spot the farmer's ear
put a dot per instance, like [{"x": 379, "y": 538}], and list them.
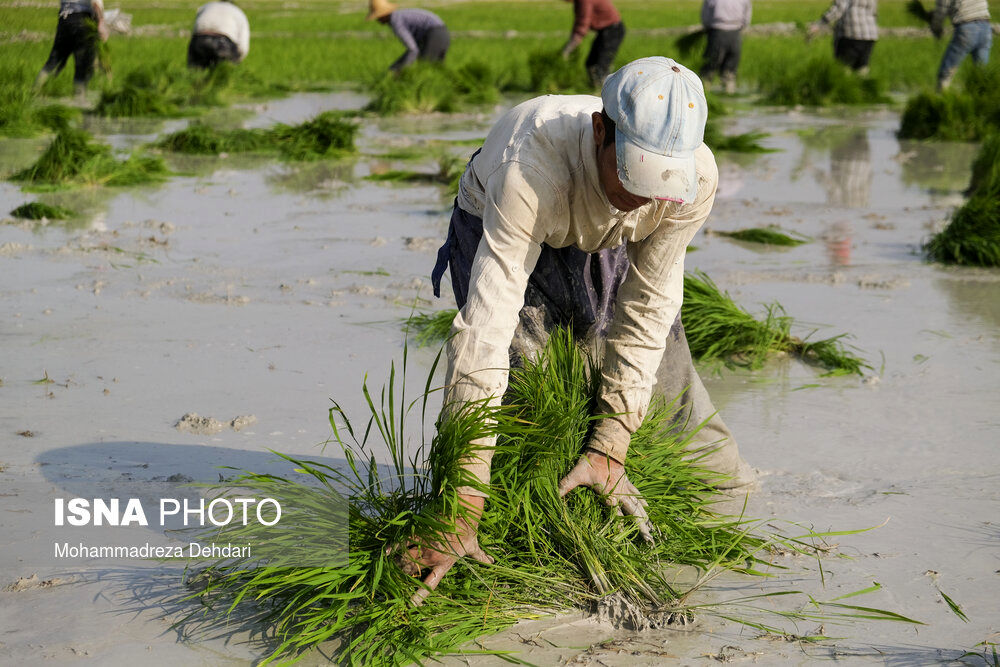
[{"x": 598, "y": 122}]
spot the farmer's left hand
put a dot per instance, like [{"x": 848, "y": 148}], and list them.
[{"x": 607, "y": 477}]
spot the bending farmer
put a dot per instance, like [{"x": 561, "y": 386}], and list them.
[
  {"x": 724, "y": 22},
  {"x": 578, "y": 211},
  {"x": 855, "y": 31},
  {"x": 601, "y": 17},
  {"x": 423, "y": 33},
  {"x": 973, "y": 34},
  {"x": 81, "y": 24},
  {"x": 221, "y": 32}
]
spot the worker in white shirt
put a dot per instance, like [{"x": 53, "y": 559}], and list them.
[
  {"x": 221, "y": 32},
  {"x": 577, "y": 211}
]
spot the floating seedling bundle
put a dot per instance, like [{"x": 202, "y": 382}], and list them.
[
  {"x": 764, "y": 236},
  {"x": 74, "y": 159},
  {"x": 973, "y": 236},
  {"x": 551, "y": 554},
  {"x": 39, "y": 211},
  {"x": 327, "y": 135},
  {"x": 449, "y": 173}
]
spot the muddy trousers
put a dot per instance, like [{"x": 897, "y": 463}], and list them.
[{"x": 575, "y": 289}]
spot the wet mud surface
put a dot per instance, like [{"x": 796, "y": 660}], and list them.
[{"x": 258, "y": 287}]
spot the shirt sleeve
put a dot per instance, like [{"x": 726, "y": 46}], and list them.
[
  {"x": 517, "y": 203},
  {"x": 836, "y": 10},
  {"x": 647, "y": 304},
  {"x": 583, "y": 13},
  {"x": 402, "y": 31}
]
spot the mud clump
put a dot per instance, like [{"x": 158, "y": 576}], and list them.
[
  {"x": 32, "y": 582},
  {"x": 621, "y": 612},
  {"x": 192, "y": 422}
]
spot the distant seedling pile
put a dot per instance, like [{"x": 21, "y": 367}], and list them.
[
  {"x": 551, "y": 554},
  {"x": 966, "y": 112},
  {"x": 74, "y": 159},
  {"x": 821, "y": 81},
  {"x": 327, "y": 135}
]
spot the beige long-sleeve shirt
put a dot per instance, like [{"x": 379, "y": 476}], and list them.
[{"x": 536, "y": 181}]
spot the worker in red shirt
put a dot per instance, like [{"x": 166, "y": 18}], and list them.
[{"x": 601, "y": 17}]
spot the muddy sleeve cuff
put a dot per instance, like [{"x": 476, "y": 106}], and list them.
[{"x": 611, "y": 438}]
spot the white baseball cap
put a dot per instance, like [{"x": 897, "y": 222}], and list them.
[{"x": 659, "y": 110}]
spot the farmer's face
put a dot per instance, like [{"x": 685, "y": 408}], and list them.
[{"x": 607, "y": 171}]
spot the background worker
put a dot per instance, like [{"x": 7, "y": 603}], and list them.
[
  {"x": 724, "y": 22},
  {"x": 423, "y": 33},
  {"x": 577, "y": 211},
  {"x": 601, "y": 17},
  {"x": 81, "y": 24},
  {"x": 972, "y": 35},
  {"x": 855, "y": 30},
  {"x": 221, "y": 32}
]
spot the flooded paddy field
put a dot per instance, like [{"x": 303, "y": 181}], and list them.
[{"x": 252, "y": 291}]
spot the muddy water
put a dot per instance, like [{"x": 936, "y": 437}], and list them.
[{"x": 255, "y": 287}]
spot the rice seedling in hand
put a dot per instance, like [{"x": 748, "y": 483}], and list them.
[
  {"x": 916, "y": 9},
  {"x": 73, "y": 159},
  {"x": 718, "y": 329},
  {"x": 765, "y": 236},
  {"x": 691, "y": 44},
  {"x": 549, "y": 554},
  {"x": 972, "y": 237},
  {"x": 37, "y": 211},
  {"x": 821, "y": 81}
]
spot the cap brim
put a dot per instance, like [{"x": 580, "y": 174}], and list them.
[{"x": 648, "y": 174}]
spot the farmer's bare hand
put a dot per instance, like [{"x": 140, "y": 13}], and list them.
[
  {"x": 440, "y": 555},
  {"x": 607, "y": 477}
]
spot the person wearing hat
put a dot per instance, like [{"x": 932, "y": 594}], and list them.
[
  {"x": 221, "y": 32},
  {"x": 81, "y": 24},
  {"x": 577, "y": 211},
  {"x": 601, "y": 17},
  {"x": 423, "y": 33}
]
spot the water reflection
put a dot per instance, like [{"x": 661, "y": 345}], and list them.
[
  {"x": 937, "y": 167},
  {"x": 327, "y": 178}
]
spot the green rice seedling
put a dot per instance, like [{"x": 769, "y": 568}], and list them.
[
  {"x": 429, "y": 328},
  {"x": 691, "y": 44},
  {"x": 37, "y": 211},
  {"x": 972, "y": 238},
  {"x": 549, "y": 72},
  {"x": 717, "y": 329},
  {"x": 326, "y": 135},
  {"x": 916, "y": 9},
  {"x": 449, "y": 173},
  {"x": 748, "y": 142},
  {"x": 424, "y": 88},
  {"x": 968, "y": 111},
  {"x": 165, "y": 90},
  {"x": 551, "y": 554},
  {"x": 766, "y": 236},
  {"x": 73, "y": 159},
  {"x": 821, "y": 81}
]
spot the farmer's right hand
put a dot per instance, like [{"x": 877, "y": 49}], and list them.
[
  {"x": 607, "y": 477},
  {"x": 440, "y": 555}
]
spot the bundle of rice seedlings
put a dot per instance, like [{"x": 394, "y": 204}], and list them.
[
  {"x": 429, "y": 328},
  {"x": 551, "y": 554},
  {"x": 748, "y": 142},
  {"x": 423, "y": 88},
  {"x": 972, "y": 238},
  {"x": 968, "y": 111},
  {"x": 326, "y": 135},
  {"x": 19, "y": 114},
  {"x": 72, "y": 158},
  {"x": 916, "y": 9},
  {"x": 36, "y": 210},
  {"x": 765, "y": 235},
  {"x": 691, "y": 44},
  {"x": 821, "y": 81},
  {"x": 718, "y": 329},
  {"x": 549, "y": 72},
  {"x": 164, "y": 90}
]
